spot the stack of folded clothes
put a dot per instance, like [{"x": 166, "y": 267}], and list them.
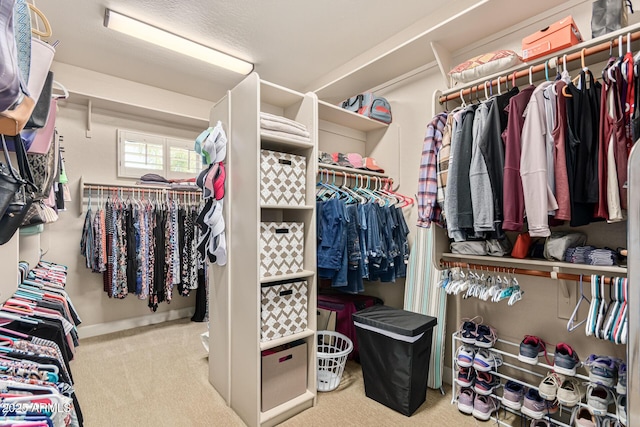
[
  {"x": 282, "y": 127},
  {"x": 590, "y": 255}
]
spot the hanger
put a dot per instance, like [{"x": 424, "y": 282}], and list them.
[
  {"x": 486, "y": 93},
  {"x": 65, "y": 92},
  {"x": 531, "y": 75},
  {"x": 513, "y": 79},
  {"x": 546, "y": 70},
  {"x": 572, "y": 325},
  {"x": 464, "y": 104},
  {"x": 498, "y": 86}
]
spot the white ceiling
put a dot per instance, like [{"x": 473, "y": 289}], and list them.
[{"x": 294, "y": 43}]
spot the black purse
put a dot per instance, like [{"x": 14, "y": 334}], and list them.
[
  {"x": 41, "y": 111},
  {"x": 19, "y": 206},
  {"x": 10, "y": 181}
]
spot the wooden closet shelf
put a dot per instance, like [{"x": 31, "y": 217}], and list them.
[
  {"x": 286, "y": 340},
  {"x": 284, "y": 277},
  {"x": 350, "y": 171},
  {"x": 533, "y": 267},
  {"x": 271, "y": 142}
]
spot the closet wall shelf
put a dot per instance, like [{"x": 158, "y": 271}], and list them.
[
  {"x": 286, "y": 340},
  {"x": 349, "y": 170},
  {"x": 286, "y": 277},
  {"x": 596, "y": 46},
  {"x": 275, "y": 143},
  {"x": 338, "y": 115},
  {"x": 538, "y": 264},
  {"x": 271, "y": 417},
  {"x": 92, "y": 101}
]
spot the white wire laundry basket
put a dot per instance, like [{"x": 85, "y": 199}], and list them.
[{"x": 333, "y": 349}]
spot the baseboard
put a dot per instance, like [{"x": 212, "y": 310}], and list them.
[{"x": 122, "y": 325}]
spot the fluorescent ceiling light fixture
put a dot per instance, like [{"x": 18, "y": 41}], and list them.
[{"x": 151, "y": 34}]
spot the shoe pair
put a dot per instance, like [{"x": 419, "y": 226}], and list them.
[
  {"x": 483, "y": 360},
  {"x": 483, "y": 383},
  {"x": 477, "y": 334},
  {"x": 480, "y": 406},
  {"x": 535, "y": 407},
  {"x": 604, "y": 369},
  {"x": 565, "y": 360}
]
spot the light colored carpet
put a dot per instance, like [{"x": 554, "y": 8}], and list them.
[{"x": 158, "y": 376}]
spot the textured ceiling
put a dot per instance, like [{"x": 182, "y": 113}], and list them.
[
  {"x": 291, "y": 42},
  {"x": 300, "y": 44}
]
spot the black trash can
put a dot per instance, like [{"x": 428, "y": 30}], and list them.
[{"x": 395, "y": 347}]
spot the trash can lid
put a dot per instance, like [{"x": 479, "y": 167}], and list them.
[{"x": 401, "y": 322}]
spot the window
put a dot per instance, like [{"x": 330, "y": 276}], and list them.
[{"x": 140, "y": 153}]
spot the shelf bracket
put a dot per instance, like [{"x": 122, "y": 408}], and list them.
[{"x": 89, "y": 111}]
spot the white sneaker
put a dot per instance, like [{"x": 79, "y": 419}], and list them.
[
  {"x": 570, "y": 392},
  {"x": 598, "y": 399},
  {"x": 486, "y": 360},
  {"x": 550, "y": 385},
  {"x": 465, "y": 356}
]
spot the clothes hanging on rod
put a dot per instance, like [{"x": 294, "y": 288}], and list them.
[
  {"x": 144, "y": 247},
  {"x": 362, "y": 235},
  {"x": 38, "y": 331},
  {"x": 564, "y": 159}
]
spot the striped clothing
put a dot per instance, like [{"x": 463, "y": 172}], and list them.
[
  {"x": 428, "y": 209},
  {"x": 443, "y": 162}
]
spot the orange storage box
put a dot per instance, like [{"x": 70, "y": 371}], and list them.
[{"x": 556, "y": 36}]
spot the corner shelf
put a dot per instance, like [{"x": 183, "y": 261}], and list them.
[{"x": 340, "y": 116}]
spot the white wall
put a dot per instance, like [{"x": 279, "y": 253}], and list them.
[{"x": 95, "y": 160}]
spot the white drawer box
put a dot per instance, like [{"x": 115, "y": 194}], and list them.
[
  {"x": 282, "y": 178},
  {"x": 283, "y": 309},
  {"x": 281, "y": 248}
]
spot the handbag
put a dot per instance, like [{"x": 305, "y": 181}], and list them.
[
  {"x": 40, "y": 112},
  {"x": 43, "y": 169},
  {"x": 10, "y": 181},
  {"x": 558, "y": 243},
  {"x": 10, "y": 90},
  {"x": 43, "y": 137},
  {"x": 369, "y": 105},
  {"x": 18, "y": 207},
  {"x": 41, "y": 56}
]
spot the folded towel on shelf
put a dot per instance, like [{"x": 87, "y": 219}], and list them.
[
  {"x": 284, "y": 120},
  {"x": 277, "y": 134},
  {"x": 283, "y": 127}
]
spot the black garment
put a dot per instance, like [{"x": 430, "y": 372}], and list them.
[
  {"x": 581, "y": 143},
  {"x": 200, "y": 314},
  {"x": 635, "y": 118},
  {"x": 132, "y": 253},
  {"x": 157, "y": 293},
  {"x": 492, "y": 147},
  {"x": 47, "y": 330},
  {"x": 463, "y": 157}
]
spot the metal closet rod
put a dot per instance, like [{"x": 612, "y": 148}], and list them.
[
  {"x": 583, "y": 53},
  {"x": 537, "y": 273},
  {"x": 133, "y": 189},
  {"x": 354, "y": 175}
]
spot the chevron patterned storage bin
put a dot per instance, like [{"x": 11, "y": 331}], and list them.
[
  {"x": 283, "y": 178},
  {"x": 281, "y": 248},
  {"x": 284, "y": 309}
]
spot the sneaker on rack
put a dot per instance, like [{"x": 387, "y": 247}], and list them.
[
  {"x": 621, "y": 386},
  {"x": 531, "y": 348},
  {"x": 466, "y": 377},
  {"x": 570, "y": 392},
  {"x": 485, "y": 383},
  {"x": 465, "y": 401},
  {"x": 484, "y": 406},
  {"x": 565, "y": 360},
  {"x": 468, "y": 330},
  {"x": 486, "y": 336},
  {"x": 549, "y": 386},
  {"x": 621, "y": 408},
  {"x": 486, "y": 360},
  {"x": 534, "y": 406},
  {"x": 465, "y": 356},
  {"x": 540, "y": 423},
  {"x": 598, "y": 399},
  {"x": 512, "y": 395},
  {"x": 585, "y": 418},
  {"x": 602, "y": 370}
]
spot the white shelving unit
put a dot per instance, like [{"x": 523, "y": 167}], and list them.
[{"x": 235, "y": 297}]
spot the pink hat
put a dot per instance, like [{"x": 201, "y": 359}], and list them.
[{"x": 356, "y": 160}]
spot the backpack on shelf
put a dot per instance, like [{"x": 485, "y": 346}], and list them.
[{"x": 369, "y": 105}]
